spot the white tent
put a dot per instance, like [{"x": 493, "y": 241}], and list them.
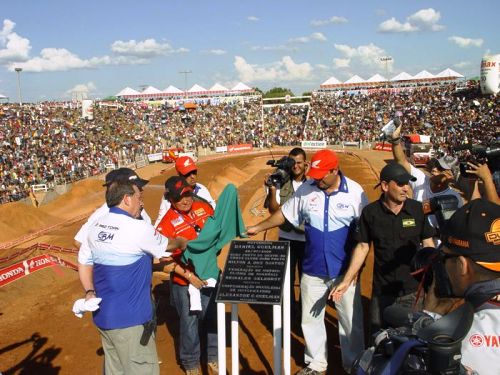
[
  {"x": 376, "y": 78},
  {"x": 424, "y": 74},
  {"x": 354, "y": 80},
  {"x": 127, "y": 91},
  {"x": 449, "y": 73},
  {"x": 403, "y": 76},
  {"x": 150, "y": 90},
  {"x": 197, "y": 90},
  {"x": 331, "y": 82},
  {"x": 241, "y": 87},
  {"x": 172, "y": 90},
  {"x": 218, "y": 88}
]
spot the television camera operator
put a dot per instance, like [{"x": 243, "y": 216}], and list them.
[{"x": 280, "y": 188}]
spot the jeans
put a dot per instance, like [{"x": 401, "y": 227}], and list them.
[
  {"x": 314, "y": 294},
  {"x": 380, "y": 302},
  {"x": 193, "y": 324}
]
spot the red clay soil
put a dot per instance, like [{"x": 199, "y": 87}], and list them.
[{"x": 40, "y": 335}]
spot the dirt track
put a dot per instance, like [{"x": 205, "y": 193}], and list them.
[{"x": 40, "y": 335}]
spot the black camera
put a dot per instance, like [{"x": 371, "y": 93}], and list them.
[
  {"x": 442, "y": 206},
  {"x": 476, "y": 153},
  {"x": 419, "y": 345},
  {"x": 282, "y": 173}
]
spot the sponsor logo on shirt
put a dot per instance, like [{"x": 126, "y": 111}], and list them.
[
  {"x": 200, "y": 211},
  {"x": 409, "y": 223},
  {"x": 489, "y": 341},
  {"x": 314, "y": 204},
  {"x": 177, "y": 221},
  {"x": 342, "y": 206},
  {"x": 105, "y": 236}
]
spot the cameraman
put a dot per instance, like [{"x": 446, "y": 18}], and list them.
[
  {"x": 471, "y": 257},
  {"x": 287, "y": 232}
]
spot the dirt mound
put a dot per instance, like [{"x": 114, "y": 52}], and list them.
[
  {"x": 229, "y": 174},
  {"x": 18, "y": 219}
]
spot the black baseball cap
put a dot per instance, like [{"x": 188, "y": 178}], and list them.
[
  {"x": 124, "y": 174},
  {"x": 177, "y": 187},
  {"x": 474, "y": 231},
  {"x": 396, "y": 172}
]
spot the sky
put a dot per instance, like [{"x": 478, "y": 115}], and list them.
[{"x": 95, "y": 48}]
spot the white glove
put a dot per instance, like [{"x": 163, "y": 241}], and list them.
[{"x": 81, "y": 306}]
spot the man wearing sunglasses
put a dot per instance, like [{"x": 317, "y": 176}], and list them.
[
  {"x": 397, "y": 227},
  {"x": 470, "y": 253},
  {"x": 185, "y": 218},
  {"x": 186, "y": 168}
]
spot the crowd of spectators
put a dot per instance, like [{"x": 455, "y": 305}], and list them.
[{"x": 49, "y": 143}]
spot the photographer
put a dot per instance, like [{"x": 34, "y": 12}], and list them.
[
  {"x": 470, "y": 254},
  {"x": 287, "y": 232}
]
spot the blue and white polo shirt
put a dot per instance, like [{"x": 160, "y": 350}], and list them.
[
  {"x": 329, "y": 221},
  {"x": 121, "y": 248}
]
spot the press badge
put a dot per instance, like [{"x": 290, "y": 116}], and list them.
[{"x": 408, "y": 223}]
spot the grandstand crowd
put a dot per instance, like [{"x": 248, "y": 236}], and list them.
[{"x": 49, "y": 143}]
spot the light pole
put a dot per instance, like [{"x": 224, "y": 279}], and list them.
[
  {"x": 18, "y": 71},
  {"x": 386, "y": 60},
  {"x": 185, "y": 72}
]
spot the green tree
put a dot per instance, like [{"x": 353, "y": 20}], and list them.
[{"x": 278, "y": 92}]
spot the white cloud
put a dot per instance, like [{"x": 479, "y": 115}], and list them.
[
  {"x": 60, "y": 59},
  {"x": 367, "y": 55},
  {"x": 13, "y": 48},
  {"x": 394, "y": 26},
  {"x": 466, "y": 42},
  {"x": 217, "y": 52},
  {"x": 253, "y": 18},
  {"x": 82, "y": 90},
  {"x": 147, "y": 48},
  {"x": 274, "y": 48},
  {"x": 423, "y": 20},
  {"x": 306, "y": 39},
  {"x": 462, "y": 64},
  {"x": 332, "y": 20},
  {"x": 318, "y": 36},
  {"x": 285, "y": 70},
  {"x": 426, "y": 19},
  {"x": 341, "y": 63}
]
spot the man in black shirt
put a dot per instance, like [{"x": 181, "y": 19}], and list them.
[{"x": 397, "y": 226}]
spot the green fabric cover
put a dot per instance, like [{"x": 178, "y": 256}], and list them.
[{"x": 224, "y": 226}]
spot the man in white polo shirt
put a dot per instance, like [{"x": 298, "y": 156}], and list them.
[{"x": 329, "y": 206}]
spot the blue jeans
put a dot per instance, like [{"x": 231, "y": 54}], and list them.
[{"x": 193, "y": 324}]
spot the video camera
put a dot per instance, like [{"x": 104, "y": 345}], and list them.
[
  {"x": 442, "y": 206},
  {"x": 389, "y": 128},
  {"x": 419, "y": 345},
  {"x": 479, "y": 154},
  {"x": 282, "y": 173}
]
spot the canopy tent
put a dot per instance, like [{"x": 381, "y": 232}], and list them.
[
  {"x": 150, "y": 90},
  {"x": 376, "y": 78},
  {"x": 127, "y": 91},
  {"x": 197, "y": 90},
  {"x": 354, "y": 80},
  {"x": 218, "y": 88},
  {"x": 241, "y": 87},
  {"x": 330, "y": 82},
  {"x": 403, "y": 76},
  {"x": 424, "y": 75},
  {"x": 449, "y": 73},
  {"x": 172, "y": 90}
]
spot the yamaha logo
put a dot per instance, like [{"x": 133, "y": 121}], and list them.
[{"x": 476, "y": 340}]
